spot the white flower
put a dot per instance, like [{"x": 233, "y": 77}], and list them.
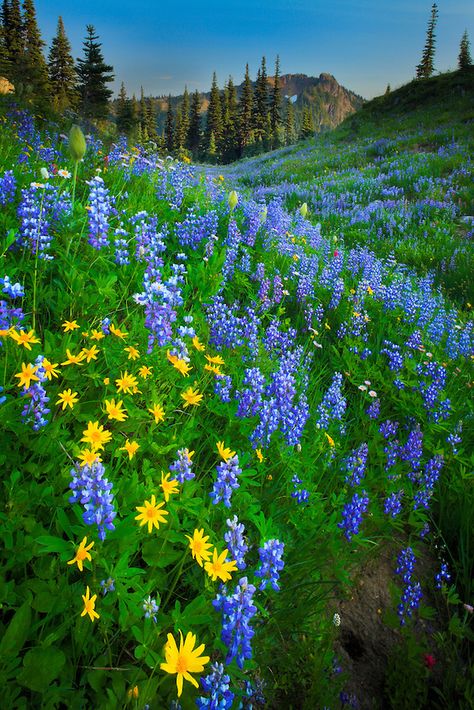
[
  {"x": 44, "y": 173},
  {"x": 362, "y": 388},
  {"x": 64, "y": 173},
  {"x": 336, "y": 619},
  {"x": 367, "y": 382},
  {"x": 372, "y": 393}
]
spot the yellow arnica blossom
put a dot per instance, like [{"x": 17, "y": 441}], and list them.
[
  {"x": 215, "y": 360},
  {"x": 91, "y": 353},
  {"x": 370, "y": 291},
  {"x": 158, "y": 412},
  {"x": 181, "y": 365},
  {"x": 259, "y": 455},
  {"x": 97, "y": 334},
  {"x": 213, "y": 368},
  {"x": 50, "y": 368},
  {"x": 23, "y": 338},
  {"x": 126, "y": 382},
  {"x": 168, "y": 487},
  {"x": 131, "y": 447},
  {"x": 69, "y": 325},
  {"x": 226, "y": 453},
  {"x": 151, "y": 515},
  {"x": 115, "y": 411},
  {"x": 67, "y": 398},
  {"x": 191, "y": 397},
  {"x": 184, "y": 660},
  {"x": 88, "y": 456},
  {"x": 144, "y": 371},
  {"x": 199, "y": 346},
  {"x": 89, "y": 605},
  {"x": 82, "y": 553},
  {"x": 96, "y": 436},
  {"x": 199, "y": 546},
  {"x": 330, "y": 439},
  {"x": 219, "y": 568},
  {"x": 26, "y": 375},
  {"x": 73, "y": 359},
  {"x": 116, "y": 331},
  {"x": 133, "y": 692},
  {"x": 133, "y": 353}
]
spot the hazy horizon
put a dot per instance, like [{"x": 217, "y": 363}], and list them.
[{"x": 365, "y": 45}]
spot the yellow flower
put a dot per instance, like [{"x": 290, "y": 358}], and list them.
[
  {"x": 88, "y": 456},
  {"x": 23, "y": 338},
  {"x": 133, "y": 692},
  {"x": 144, "y": 371},
  {"x": 26, "y": 375},
  {"x": 73, "y": 359},
  {"x": 131, "y": 447},
  {"x": 97, "y": 334},
  {"x": 50, "y": 368},
  {"x": 224, "y": 452},
  {"x": 91, "y": 353},
  {"x": 185, "y": 660},
  {"x": 219, "y": 568},
  {"x": 115, "y": 411},
  {"x": 330, "y": 439},
  {"x": 199, "y": 546},
  {"x": 199, "y": 346},
  {"x": 96, "y": 436},
  {"x": 89, "y": 605},
  {"x": 67, "y": 398},
  {"x": 106, "y": 380},
  {"x": 181, "y": 365},
  {"x": 82, "y": 553},
  {"x": 215, "y": 360},
  {"x": 370, "y": 291},
  {"x": 191, "y": 397},
  {"x": 116, "y": 331},
  {"x": 126, "y": 382},
  {"x": 259, "y": 454},
  {"x": 70, "y": 325},
  {"x": 168, "y": 487},
  {"x": 133, "y": 353},
  {"x": 151, "y": 515},
  {"x": 214, "y": 369}
]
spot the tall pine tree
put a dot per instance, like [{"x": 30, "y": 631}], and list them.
[
  {"x": 14, "y": 40},
  {"x": 307, "y": 123},
  {"x": 290, "y": 130},
  {"x": 426, "y": 67},
  {"x": 246, "y": 113},
  {"x": 194, "y": 134},
  {"x": 94, "y": 75},
  {"x": 260, "y": 104},
  {"x": 150, "y": 121},
  {"x": 33, "y": 62},
  {"x": 464, "y": 59},
  {"x": 169, "y": 127},
  {"x": 230, "y": 123},
  {"x": 214, "y": 119},
  {"x": 275, "y": 106},
  {"x": 126, "y": 112},
  {"x": 62, "y": 73}
]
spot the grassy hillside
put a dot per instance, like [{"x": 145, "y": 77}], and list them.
[{"x": 230, "y": 399}]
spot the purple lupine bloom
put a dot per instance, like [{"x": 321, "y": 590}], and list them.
[
  {"x": 182, "y": 467},
  {"x": 352, "y": 514},
  {"x": 7, "y": 187},
  {"x": 94, "y": 492},
  {"x": 237, "y": 610},
  {"x": 271, "y": 563},
  {"x": 355, "y": 465},
  {"x": 217, "y": 684},
  {"x": 226, "y": 482},
  {"x": 151, "y": 608},
  {"x": 333, "y": 404},
  {"x": 235, "y": 539},
  {"x": 442, "y": 576},
  {"x": 101, "y": 209},
  {"x": 411, "y": 594},
  {"x": 35, "y": 409}
]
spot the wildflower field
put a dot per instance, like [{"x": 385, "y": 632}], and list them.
[{"x": 222, "y": 393}]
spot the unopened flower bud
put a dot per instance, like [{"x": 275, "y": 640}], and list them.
[
  {"x": 77, "y": 143},
  {"x": 233, "y": 200},
  {"x": 304, "y": 210},
  {"x": 44, "y": 173}
]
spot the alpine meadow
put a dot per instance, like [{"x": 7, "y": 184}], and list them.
[{"x": 236, "y": 360}]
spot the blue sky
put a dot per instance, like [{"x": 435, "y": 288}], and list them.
[{"x": 164, "y": 45}]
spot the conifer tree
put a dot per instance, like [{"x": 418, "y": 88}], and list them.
[
  {"x": 182, "y": 123},
  {"x": 62, "y": 73},
  {"x": 14, "y": 41},
  {"x": 230, "y": 133},
  {"x": 126, "y": 116},
  {"x": 214, "y": 117},
  {"x": 142, "y": 116},
  {"x": 178, "y": 134},
  {"x": 464, "y": 59},
  {"x": 426, "y": 67},
  {"x": 194, "y": 134},
  {"x": 388, "y": 89},
  {"x": 307, "y": 123},
  {"x": 94, "y": 75},
  {"x": 33, "y": 63},
  {"x": 5, "y": 64},
  {"x": 150, "y": 121},
  {"x": 275, "y": 106},
  {"x": 290, "y": 130},
  {"x": 246, "y": 113},
  {"x": 169, "y": 127},
  {"x": 261, "y": 104}
]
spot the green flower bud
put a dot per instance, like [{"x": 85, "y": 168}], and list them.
[
  {"x": 77, "y": 143},
  {"x": 233, "y": 200},
  {"x": 263, "y": 214},
  {"x": 304, "y": 210}
]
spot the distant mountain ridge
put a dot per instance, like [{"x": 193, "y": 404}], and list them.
[{"x": 330, "y": 102}]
